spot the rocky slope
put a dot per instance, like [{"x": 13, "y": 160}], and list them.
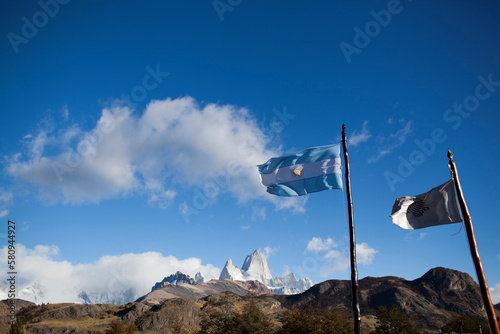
[
  {"x": 432, "y": 298},
  {"x": 190, "y": 291}
]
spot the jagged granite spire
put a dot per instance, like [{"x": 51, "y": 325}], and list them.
[{"x": 255, "y": 268}]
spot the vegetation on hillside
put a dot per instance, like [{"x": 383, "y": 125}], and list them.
[
  {"x": 17, "y": 327},
  {"x": 394, "y": 321},
  {"x": 117, "y": 327},
  {"x": 469, "y": 325}
]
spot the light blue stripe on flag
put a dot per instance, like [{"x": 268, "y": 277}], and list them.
[{"x": 310, "y": 170}]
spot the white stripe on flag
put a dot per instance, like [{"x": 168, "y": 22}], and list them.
[{"x": 309, "y": 170}]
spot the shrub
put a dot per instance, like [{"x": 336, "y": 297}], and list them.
[
  {"x": 394, "y": 321},
  {"x": 314, "y": 321},
  {"x": 470, "y": 325}
]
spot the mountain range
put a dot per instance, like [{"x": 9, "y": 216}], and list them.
[
  {"x": 433, "y": 299},
  {"x": 254, "y": 268}
]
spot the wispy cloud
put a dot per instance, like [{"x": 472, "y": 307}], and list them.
[
  {"x": 62, "y": 281},
  {"x": 495, "y": 294},
  {"x": 336, "y": 257},
  {"x": 173, "y": 143},
  {"x": 386, "y": 144},
  {"x": 65, "y": 112},
  {"x": 6, "y": 201},
  {"x": 358, "y": 137},
  {"x": 267, "y": 251},
  {"x": 258, "y": 213},
  {"x": 246, "y": 227}
]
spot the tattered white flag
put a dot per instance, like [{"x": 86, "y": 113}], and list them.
[{"x": 436, "y": 207}]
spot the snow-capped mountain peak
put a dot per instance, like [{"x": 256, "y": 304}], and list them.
[
  {"x": 255, "y": 268},
  {"x": 231, "y": 272}
]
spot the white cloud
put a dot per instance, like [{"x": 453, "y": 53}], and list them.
[
  {"x": 336, "y": 257},
  {"x": 318, "y": 244},
  {"x": 295, "y": 204},
  {"x": 421, "y": 236},
  {"x": 246, "y": 227},
  {"x": 391, "y": 142},
  {"x": 5, "y": 196},
  {"x": 173, "y": 143},
  {"x": 359, "y": 137},
  {"x": 62, "y": 281},
  {"x": 365, "y": 254},
  {"x": 5, "y": 202},
  {"x": 337, "y": 262},
  {"x": 267, "y": 251},
  {"x": 495, "y": 294}
]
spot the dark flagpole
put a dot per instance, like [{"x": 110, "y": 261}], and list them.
[
  {"x": 490, "y": 311},
  {"x": 354, "y": 270}
]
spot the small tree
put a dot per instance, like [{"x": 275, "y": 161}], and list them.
[
  {"x": 221, "y": 320},
  {"x": 215, "y": 321},
  {"x": 314, "y": 321},
  {"x": 252, "y": 320},
  {"x": 297, "y": 321},
  {"x": 17, "y": 327},
  {"x": 177, "y": 326},
  {"x": 394, "y": 321}
]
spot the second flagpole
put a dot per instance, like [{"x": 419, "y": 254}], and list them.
[
  {"x": 483, "y": 284},
  {"x": 354, "y": 270}
]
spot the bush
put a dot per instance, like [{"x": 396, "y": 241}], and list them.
[
  {"x": 314, "y": 321},
  {"x": 250, "y": 320},
  {"x": 394, "y": 321},
  {"x": 470, "y": 325}
]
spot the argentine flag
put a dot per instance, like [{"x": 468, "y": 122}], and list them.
[{"x": 307, "y": 171}]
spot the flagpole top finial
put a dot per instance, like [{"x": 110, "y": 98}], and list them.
[
  {"x": 343, "y": 127},
  {"x": 450, "y": 155}
]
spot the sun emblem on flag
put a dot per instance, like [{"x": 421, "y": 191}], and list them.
[{"x": 297, "y": 171}]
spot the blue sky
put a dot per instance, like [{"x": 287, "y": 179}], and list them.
[{"x": 131, "y": 131}]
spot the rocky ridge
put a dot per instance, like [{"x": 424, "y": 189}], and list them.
[
  {"x": 179, "y": 278},
  {"x": 197, "y": 291}
]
